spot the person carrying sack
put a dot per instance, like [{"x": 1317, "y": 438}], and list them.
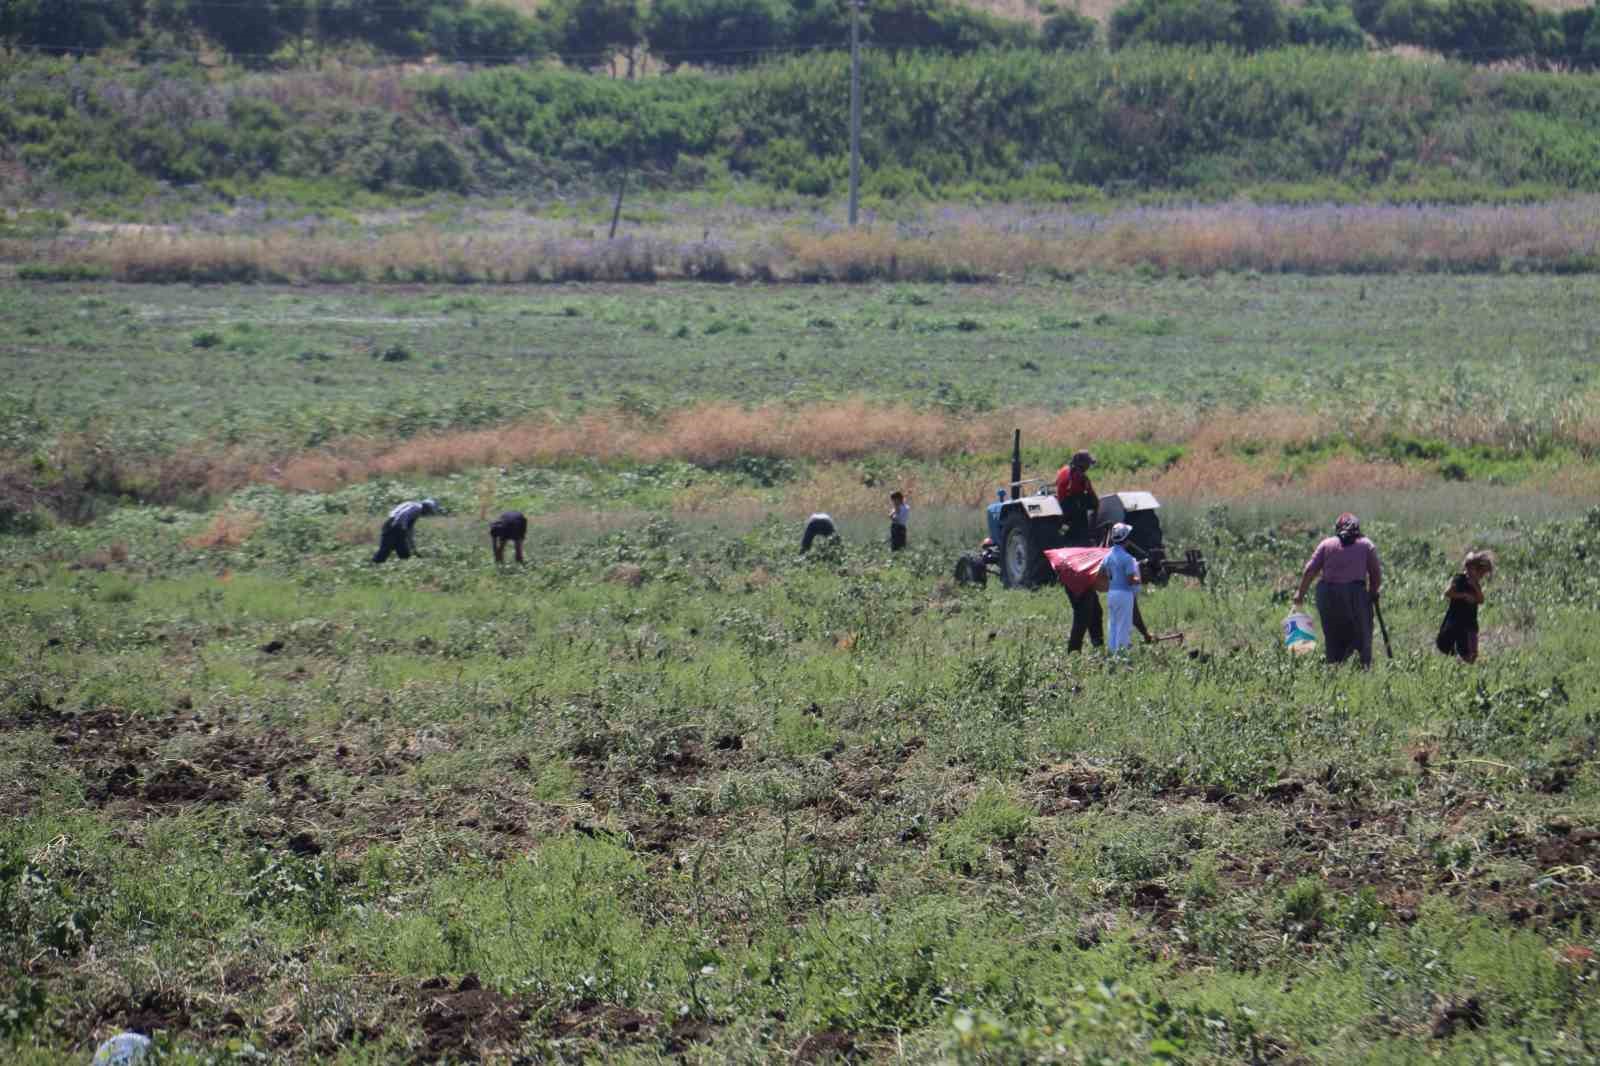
[{"x": 1351, "y": 576}]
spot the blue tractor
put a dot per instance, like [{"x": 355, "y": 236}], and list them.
[{"x": 1023, "y": 526}]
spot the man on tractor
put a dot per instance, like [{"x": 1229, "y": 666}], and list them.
[{"x": 1076, "y": 494}]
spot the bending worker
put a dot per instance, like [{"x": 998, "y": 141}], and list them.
[
  {"x": 818, "y": 525},
  {"x": 396, "y": 534},
  {"x": 1351, "y": 576},
  {"x": 510, "y": 528}
]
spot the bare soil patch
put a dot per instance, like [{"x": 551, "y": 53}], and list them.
[{"x": 468, "y": 1022}]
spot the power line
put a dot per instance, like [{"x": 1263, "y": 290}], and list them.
[{"x": 131, "y": 48}]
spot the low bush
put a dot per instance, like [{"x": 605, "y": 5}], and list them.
[{"x": 62, "y": 272}]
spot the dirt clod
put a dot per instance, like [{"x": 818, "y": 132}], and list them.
[
  {"x": 830, "y": 1045},
  {"x": 468, "y": 1022},
  {"x": 1452, "y": 1015}
]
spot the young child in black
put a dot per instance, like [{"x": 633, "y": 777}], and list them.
[{"x": 1458, "y": 634}]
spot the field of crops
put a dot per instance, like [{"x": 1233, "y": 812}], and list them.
[{"x": 673, "y": 791}]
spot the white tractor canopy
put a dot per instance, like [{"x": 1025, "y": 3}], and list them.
[
  {"x": 1041, "y": 505},
  {"x": 1117, "y": 506}
]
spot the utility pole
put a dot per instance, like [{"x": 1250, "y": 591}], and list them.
[{"x": 855, "y": 107}]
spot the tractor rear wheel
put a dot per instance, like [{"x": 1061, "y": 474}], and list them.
[{"x": 1022, "y": 563}]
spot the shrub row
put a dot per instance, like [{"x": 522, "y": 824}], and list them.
[
  {"x": 1483, "y": 31},
  {"x": 739, "y": 32},
  {"x": 1486, "y": 31},
  {"x": 718, "y": 33},
  {"x": 255, "y": 32}
]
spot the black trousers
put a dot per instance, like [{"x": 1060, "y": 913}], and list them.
[
  {"x": 392, "y": 539},
  {"x": 897, "y": 536},
  {"x": 1346, "y": 610},
  {"x": 1087, "y": 617}
]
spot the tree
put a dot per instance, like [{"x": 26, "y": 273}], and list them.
[
  {"x": 942, "y": 25},
  {"x": 591, "y": 32},
  {"x": 485, "y": 33},
  {"x": 1251, "y": 25},
  {"x": 819, "y": 23},
  {"x": 63, "y": 26},
  {"x": 1068, "y": 31},
  {"x": 400, "y": 27},
  {"x": 251, "y": 31},
  {"x": 1326, "y": 24},
  {"x": 717, "y": 32}
]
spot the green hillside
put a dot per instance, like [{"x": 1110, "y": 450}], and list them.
[{"x": 1013, "y": 125}]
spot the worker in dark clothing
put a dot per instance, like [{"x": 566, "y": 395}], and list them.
[
  {"x": 1088, "y": 617},
  {"x": 1076, "y": 494},
  {"x": 1347, "y": 592},
  {"x": 818, "y": 525},
  {"x": 511, "y": 526},
  {"x": 1142, "y": 557},
  {"x": 396, "y": 534}
]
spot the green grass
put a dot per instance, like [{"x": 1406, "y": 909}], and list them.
[
  {"x": 672, "y": 790},
  {"x": 758, "y": 802},
  {"x": 295, "y": 368}
]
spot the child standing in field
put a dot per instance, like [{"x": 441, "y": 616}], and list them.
[
  {"x": 1122, "y": 586},
  {"x": 1458, "y": 634},
  {"x": 899, "y": 515}
]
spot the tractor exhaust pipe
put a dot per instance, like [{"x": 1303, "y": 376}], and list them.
[{"x": 1016, "y": 465}]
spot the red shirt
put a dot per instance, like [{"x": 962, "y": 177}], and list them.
[{"x": 1070, "y": 481}]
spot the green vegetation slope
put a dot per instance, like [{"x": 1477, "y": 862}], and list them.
[{"x": 1018, "y": 124}]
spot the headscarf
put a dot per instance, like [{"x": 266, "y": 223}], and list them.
[
  {"x": 431, "y": 506},
  {"x": 1120, "y": 532},
  {"x": 1081, "y": 460},
  {"x": 1347, "y": 528}
]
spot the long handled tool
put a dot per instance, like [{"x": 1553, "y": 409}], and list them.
[{"x": 1378, "y": 609}]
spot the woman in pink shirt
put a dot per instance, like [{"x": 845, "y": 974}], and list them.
[{"x": 1351, "y": 575}]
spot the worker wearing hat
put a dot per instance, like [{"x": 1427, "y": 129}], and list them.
[{"x": 1122, "y": 588}]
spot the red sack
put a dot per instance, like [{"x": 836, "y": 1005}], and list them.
[{"x": 1077, "y": 568}]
